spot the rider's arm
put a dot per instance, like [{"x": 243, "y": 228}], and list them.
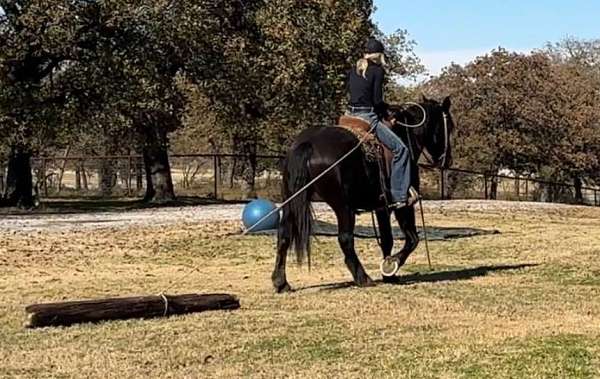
[{"x": 378, "y": 102}]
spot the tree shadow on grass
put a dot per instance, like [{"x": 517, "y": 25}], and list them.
[{"x": 429, "y": 277}]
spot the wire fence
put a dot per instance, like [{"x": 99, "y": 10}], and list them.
[{"x": 229, "y": 177}]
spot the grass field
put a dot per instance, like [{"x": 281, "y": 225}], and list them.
[{"x": 523, "y": 303}]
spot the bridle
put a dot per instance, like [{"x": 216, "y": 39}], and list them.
[
  {"x": 442, "y": 159},
  {"x": 446, "y": 141}
]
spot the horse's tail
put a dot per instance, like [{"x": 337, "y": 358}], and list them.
[{"x": 298, "y": 213}]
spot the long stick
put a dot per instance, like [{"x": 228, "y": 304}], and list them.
[
  {"x": 311, "y": 182},
  {"x": 425, "y": 234}
]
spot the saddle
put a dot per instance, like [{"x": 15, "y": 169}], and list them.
[{"x": 374, "y": 150}]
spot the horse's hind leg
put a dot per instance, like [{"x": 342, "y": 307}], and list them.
[
  {"x": 283, "y": 244},
  {"x": 346, "y": 220}
]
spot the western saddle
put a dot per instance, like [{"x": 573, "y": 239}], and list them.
[{"x": 374, "y": 150}]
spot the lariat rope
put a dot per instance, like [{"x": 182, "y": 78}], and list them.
[
  {"x": 301, "y": 190},
  {"x": 425, "y": 234},
  {"x": 409, "y": 141},
  {"x": 360, "y": 143},
  {"x": 420, "y": 123}
]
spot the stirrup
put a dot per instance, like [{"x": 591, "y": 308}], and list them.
[
  {"x": 398, "y": 205},
  {"x": 413, "y": 197}
]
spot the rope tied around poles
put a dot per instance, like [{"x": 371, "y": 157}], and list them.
[{"x": 166, "y": 302}]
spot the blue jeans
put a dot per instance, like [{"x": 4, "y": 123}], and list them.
[{"x": 400, "y": 176}]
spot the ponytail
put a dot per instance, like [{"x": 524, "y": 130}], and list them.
[
  {"x": 363, "y": 63},
  {"x": 361, "y": 67}
]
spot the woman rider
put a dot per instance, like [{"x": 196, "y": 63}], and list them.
[{"x": 365, "y": 85}]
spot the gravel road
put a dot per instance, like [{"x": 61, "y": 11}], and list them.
[{"x": 210, "y": 213}]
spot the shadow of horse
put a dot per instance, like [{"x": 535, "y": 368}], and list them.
[
  {"x": 431, "y": 277},
  {"x": 434, "y": 233}
]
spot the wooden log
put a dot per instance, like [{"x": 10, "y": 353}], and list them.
[{"x": 74, "y": 312}]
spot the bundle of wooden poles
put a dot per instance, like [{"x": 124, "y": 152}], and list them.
[{"x": 74, "y": 312}]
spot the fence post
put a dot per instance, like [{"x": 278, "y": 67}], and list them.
[
  {"x": 526, "y": 189},
  {"x": 442, "y": 184},
  {"x": 216, "y": 176},
  {"x": 596, "y": 198}
]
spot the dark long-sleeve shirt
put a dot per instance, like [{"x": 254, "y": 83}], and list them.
[{"x": 367, "y": 91}]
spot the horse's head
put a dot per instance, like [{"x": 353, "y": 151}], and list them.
[{"x": 430, "y": 127}]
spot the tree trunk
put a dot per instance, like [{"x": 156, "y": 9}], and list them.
[
  {"x": 578, "y": 192},
  {"x": 494, "y": 188},
  {"x": 547, "y": 193},
  {"x": 159, "y": 183},
  {"x": 1, "y": 180},
  {"x": 232, "y": 175},
  {"x": 61, "y": 173},
  {"x": 19, "y": 180},
  {"x": 84, "y": 178},
  {"x": 250, "y": 172},
  {"x": 106, "y": 176},
  {"x": 78, "y": 176},
  {"x": 139, "y": 175}
]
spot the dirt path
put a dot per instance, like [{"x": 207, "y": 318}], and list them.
[{"x": 209, "y": 213}]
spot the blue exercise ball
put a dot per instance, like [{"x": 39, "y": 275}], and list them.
[{"x": 255, "y": 210}]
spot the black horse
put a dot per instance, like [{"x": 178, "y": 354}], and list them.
[{"x": 354, "y": 185}]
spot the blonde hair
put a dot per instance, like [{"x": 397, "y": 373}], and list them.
[{"x": 363, "y": 63}]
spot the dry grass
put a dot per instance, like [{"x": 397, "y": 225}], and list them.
[{"x": 478, "y": 315}]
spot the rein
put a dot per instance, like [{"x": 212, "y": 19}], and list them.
[{"x": 446, "y": 144}]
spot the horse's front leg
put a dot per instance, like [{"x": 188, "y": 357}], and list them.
[
  {"x": 385, "y": 231},
  {"x": 387, "y": 243},
  {"x": 346, "y": 221},
  {"x": 406, "y": 219}
]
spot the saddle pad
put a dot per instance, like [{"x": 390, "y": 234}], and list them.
[
  {"x": 360, "y": 128},
  {"x": 370, "y": 147}
]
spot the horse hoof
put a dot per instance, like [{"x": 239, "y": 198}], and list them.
[
  {"x": 389, "y": 267},
  {"x": 285, "y": 287}
]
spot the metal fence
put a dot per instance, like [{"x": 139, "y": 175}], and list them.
[
  {"x": 467, "y": 184},
  {"x": 218, "y": 176},
  {"x": 226, "y": 177}
]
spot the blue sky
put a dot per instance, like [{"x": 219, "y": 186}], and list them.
[{"x": 459, "y": 30}]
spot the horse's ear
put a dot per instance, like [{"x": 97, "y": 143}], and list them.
[{"x": 446, "y": 104}]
